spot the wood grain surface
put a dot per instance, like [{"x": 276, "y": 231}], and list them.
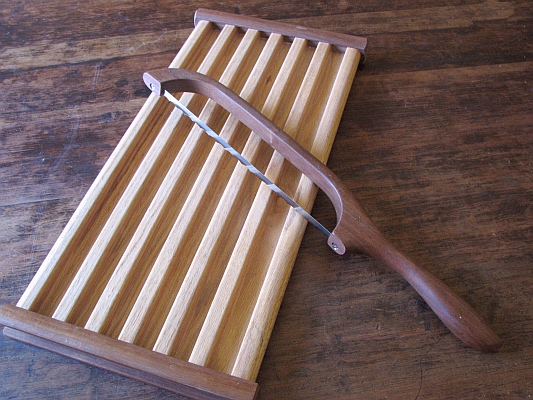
[{"x": 436, "y": 142}]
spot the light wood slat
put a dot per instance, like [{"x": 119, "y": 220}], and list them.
[
  {"x": 237, "y": 70},
  {"x": 49, "y": 283},
  {"x": 254, "y": 92},
  {"x": 133, "y": 267},
  {"x": 272, "y": 212},
  {"x": 254, "y": 342},
  {"x": 210, "y": 330},
  {"x": 120, "y": 225},
  {"x": 333, "y": 111},
  {"x": 210, "y": 251}
]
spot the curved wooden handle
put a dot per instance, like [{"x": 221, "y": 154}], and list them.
[
  {"x": 354, "y": 230},
  {"x": 453, "y": 311}
]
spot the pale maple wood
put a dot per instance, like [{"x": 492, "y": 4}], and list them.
[
  {"x": 172, "y": 184},
  {"x": 231, "y": 284},
  {"x": 147, "y": 120},
  {"x": 238, "y": 188},
  {"x": 185, "y": 237},
  {"x": 124, "y": 275},
  {"x": 128, "y": 211},
  {"x": 253, "y": 92}
]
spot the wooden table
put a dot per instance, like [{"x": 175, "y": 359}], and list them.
[{"x": 436, "y": 141}]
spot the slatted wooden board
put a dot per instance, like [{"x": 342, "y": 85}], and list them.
[{"x": 173, "y": 267}]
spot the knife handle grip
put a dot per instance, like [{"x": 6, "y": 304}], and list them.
[{"x": 458, "y": 316}]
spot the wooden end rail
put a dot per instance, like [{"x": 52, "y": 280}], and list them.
[
  {"x": 123, "y": 358},
  {"x": 339, "y": 41}
]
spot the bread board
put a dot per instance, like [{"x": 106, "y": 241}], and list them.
[{"x": 173, "y": 267}]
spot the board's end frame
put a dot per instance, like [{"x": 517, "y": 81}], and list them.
[
  {"x": 123, "y": 358},
  {"x": 133, "y": 361},
  {"x": 339, "y": 41}
]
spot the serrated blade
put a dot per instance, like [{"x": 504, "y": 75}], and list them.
[{"x": 271, "y": 185}]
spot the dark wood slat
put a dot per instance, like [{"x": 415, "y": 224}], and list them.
[{"x": 123, "y": 358}]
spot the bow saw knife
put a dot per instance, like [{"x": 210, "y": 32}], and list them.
[{"x": 354, "y": 231}]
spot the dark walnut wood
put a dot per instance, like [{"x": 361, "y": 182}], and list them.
[
  {"x": 435, "y": 143},
  {"x": 123, "y": 358},
  {"x": 354, "y": 230}
]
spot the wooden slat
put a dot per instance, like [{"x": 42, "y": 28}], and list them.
[
  {"x": 128, "y": 273},
  {"x": 201, "y": 266},
  {"x": 216, "y": 246},
  {"x": 113, "y": 237},
  {"x": 227, "y": 336}
]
